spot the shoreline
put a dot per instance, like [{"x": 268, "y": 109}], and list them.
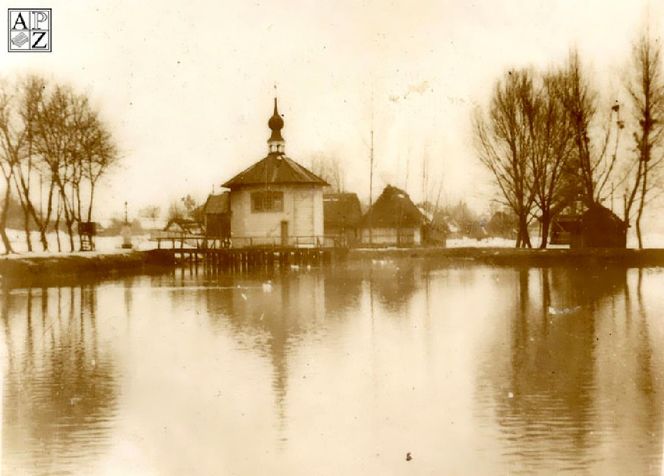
[
  {"x": 18, "y": 268},
  {"x": 31, "y": 269},
  {"x": 650, "y": 257}
]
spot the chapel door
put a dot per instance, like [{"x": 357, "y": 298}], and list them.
[{"x": 284, "y": 233}]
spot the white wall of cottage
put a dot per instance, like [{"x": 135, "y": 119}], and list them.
[
  {"x": 388, "y": 236},
  {"x": 302, "y": 209}
]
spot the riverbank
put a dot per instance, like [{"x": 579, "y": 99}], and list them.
[
  {"x": 38, "y": 267},
  {"x": 50, "y": 268},
  {"x": 519, "y": 257}
]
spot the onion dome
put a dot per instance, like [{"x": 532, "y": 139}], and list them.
[
  {"x": 276, "y": 142},
  {"x": 276, "y": 123}
]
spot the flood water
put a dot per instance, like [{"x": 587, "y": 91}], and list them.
[{"x": 340, "y": 371}]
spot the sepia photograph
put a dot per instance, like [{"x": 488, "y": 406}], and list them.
[{"x": 313, "y": 237}]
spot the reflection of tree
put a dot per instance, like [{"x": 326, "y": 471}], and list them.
[
  {"x": 343, "y": 289},
  {"x": 394, "y": 284},
  {"x": 575, "y": 362},
  {"x": 552, "y": 363},
  {"x": 60, "y": 388},
  {"x": 586, "y": 286}
]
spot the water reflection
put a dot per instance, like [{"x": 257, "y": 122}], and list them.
[
  {"x": 337, "y": 371},
  {"x": 60, "y": 387},
  {"x": 576, "y": 389},
  {"x": 270, "y": 316},
  {"x": 394, "y": 283}
]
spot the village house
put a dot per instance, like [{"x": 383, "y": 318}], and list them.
[
  {"x": 217, "y": 214},
  {"x": 342, "y": 214},
  {"x": 276, "y": 201},
  {"x": 393, "y": 220},
  {"x": 183, "y": 227},
  {"x": 502, "y": 224},
  {"x": 435, "y": 229},
  {"x": 596, "y": 227}
]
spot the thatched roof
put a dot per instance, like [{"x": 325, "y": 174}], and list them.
[
  {"x": 217, "y": 204},
  {"x": 599, "y": 213},
  {"x": 393, "y": 209},
  {"x": 276, "y": 168},
  {"x": 341, "y": 210},
  {"x": 184, "y": 225}
]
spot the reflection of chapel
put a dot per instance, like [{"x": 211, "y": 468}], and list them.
[{"x": 276, "y": 200}]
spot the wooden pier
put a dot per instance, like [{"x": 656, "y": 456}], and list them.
[{"x": 217, "y": 254}]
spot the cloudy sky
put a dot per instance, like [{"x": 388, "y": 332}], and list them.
[{"x": 187, "y": 87}]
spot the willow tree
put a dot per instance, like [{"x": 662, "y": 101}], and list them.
[
  {"x": 552, "y": 150},
  {"x": 646, "y": 92},
  {"x": 596, "y": 137},
  {"x": 503, "y": 141},
  {"x": 61, "y": 150},
  {"x": 330, "y": 169},
  {"x": 35, "y": 191},
  {"x": 10, "y": 150}
]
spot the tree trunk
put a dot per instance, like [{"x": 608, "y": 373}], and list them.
[
  {"x": 26, "y": 228},
  {"x": 25, "y": 206},
  {"x": 642, "y": 203},
  {"x": 524, "y": 238},
  {"x": 42, "y": 221},
  {"x": 70, "y": 233},
  {"x": 57, "y": 228},
  {"x": 3, "y": 219},
  {"x": 5, "y": 241},
  {"x": 68, "y": 214},
  {"x": 42, "y": 239},
  {"x": 92, "y": 197},
  {"x": 43, "y": 228},
  {"x": 546, "y": 224}
]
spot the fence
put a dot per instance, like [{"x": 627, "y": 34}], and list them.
[{"x": 184, "y": 240}]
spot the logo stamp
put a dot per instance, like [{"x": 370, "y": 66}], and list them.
[{"x": 29, "y": 30}]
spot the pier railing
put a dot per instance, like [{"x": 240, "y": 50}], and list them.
[{"x": 186, "y": 241}]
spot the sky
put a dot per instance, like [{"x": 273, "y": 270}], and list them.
[{"x": 186, "y": 87}]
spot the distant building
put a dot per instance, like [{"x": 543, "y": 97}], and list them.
[
  {"x": 342, "y": 215},
  {"x": 393, "y": 220},
  {"x": 502, "y": 224},
  {"x": 276, "y": 201},
  {"x": 217, "y": 211},
  {"x": 184, "y": 227},
  {"x": 597, "y": 227},
  {"x": 435, "y": 229}
]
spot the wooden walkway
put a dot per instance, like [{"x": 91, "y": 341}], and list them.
[{"x": 221, "y": 255}]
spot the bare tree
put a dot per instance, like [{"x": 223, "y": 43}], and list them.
[
  {"x": 10, "y": 146},
  {"x": 60, "y": 143},
  {"x": 176, "y": 210},
  {"x": 54, "y": 135},
  {"x": 595, "y": 146},
  {"x": 552, "y": 147},
  {"x": 99, "y": 155},
  {"x": 646, "y": 92},
  {"x": 32, "y": 97},
  {"x": 91, "y": 153},
  {"x": 151, "y": 213},
  {"x": 329, "y": 169},
  {"x": 503, "y": 142}
]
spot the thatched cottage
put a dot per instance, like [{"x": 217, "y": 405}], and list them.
[
  {"x": 393, "y": 220},
  {"x": 342, "y": 213}
]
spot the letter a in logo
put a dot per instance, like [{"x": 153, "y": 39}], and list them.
[{"x": 19, "y": 24}]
